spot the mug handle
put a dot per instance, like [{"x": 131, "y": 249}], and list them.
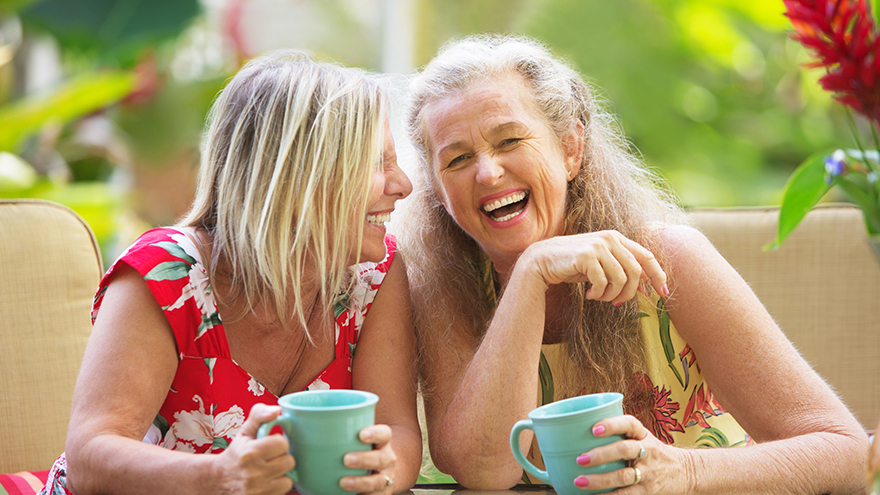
[
  {"x": 286, "y": 425},
  {"x": 530, "y": 468}
]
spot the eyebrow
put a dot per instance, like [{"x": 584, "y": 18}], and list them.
[{"x": 498, "y": 129}]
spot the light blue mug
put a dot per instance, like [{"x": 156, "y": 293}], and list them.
[
  {"x": 564, "y": 430},
  {"x": 322, "y": 426}
]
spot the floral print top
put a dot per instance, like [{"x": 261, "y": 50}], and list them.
[
  {"x": 683, "y": 411},
  {"x": 211, "y": 394}
]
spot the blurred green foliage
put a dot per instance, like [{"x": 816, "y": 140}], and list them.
[{"x": 711, "y": 92}]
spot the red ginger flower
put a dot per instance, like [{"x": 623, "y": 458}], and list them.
[{"x": 843, "y": 37}]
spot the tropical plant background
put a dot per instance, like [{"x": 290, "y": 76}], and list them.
[{"x": 102, "y": 102}]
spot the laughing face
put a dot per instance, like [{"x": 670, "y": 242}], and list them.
[
  {"x": 501, "y": 171},
  {"x": 389, "y": 184}
]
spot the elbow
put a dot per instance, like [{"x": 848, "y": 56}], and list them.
[{"x": 477, "y": 473}]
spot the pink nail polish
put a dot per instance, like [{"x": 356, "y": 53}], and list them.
[
  {"x": 665, "y": 290},
  {"x": 581, "y": 482},
  {"x": 618, "y": 304},
  {"x": 583, "y": 460},
  {"x": 598, "y": 430}
]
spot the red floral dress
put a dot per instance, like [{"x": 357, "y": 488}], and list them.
[{"x": 211, "y": 394}]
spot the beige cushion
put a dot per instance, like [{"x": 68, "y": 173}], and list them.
[
  {"x": 50, "y": 267},
  {"x": 822, "y": 286}
]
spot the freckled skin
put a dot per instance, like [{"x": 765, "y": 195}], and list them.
[{"x": 490, "y": 139}]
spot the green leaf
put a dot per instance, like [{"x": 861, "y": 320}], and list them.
[
  {"x": 220, "y": 443},
  {"x": 804, "y": 189},
  {"x": 175, "y": 250},
  {"x": 81, "y": 96},
  {"x": 168, "y": 270},
  {"x": 545, "y": 375}
]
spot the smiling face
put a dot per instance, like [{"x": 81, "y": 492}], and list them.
[
  {"x": 388, "y": 184},
  {"x": 501, "y": 171}
]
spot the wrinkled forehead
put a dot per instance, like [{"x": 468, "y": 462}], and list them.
[{"x": 493, "y": 101}]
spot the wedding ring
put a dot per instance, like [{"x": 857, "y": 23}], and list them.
[
  {"x": 638, "y": 476},
  {"x": 388, "y": 481}
]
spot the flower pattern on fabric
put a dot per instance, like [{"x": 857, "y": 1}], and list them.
[
  {"x": 211, "y": 394},
  {"x": 672, "y": 378}
]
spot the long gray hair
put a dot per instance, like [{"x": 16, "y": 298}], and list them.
[{"x": 451, "y": 286}]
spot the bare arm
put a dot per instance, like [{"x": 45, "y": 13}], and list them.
[
  {"x": 127, "y": 370},
  {"x": 807, "y": 441},
  {"x": 477, "y": 392},
  {"x": 758, "y": 376},
  {"x": 385, "y": 364}
]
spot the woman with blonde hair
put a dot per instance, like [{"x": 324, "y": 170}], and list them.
[
  {"x": 544, "y": 259},
  {"x": 266, "y": 287}
]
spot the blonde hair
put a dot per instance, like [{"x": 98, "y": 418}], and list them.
[
  {"x": 612, "y": 190},
  {"x": 286, "y": 168}
]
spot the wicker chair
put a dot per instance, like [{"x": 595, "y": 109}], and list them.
[{"x": 50, "y": 267}]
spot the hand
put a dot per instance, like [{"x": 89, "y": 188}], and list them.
[
  {"x": 613, "y": 264},
  {"x": 255, "y": 466},
  {"x": 380, "y": 461},
  {"x": 662, "y": 468}
]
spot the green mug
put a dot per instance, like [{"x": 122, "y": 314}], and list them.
[
  {"x": 322, "y": 426},
  {"x": 564, "y": 430}
]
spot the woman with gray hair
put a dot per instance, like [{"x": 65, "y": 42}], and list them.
[
  {"x": 543, "y": 257},
  {"x": 278, "y": 272}
]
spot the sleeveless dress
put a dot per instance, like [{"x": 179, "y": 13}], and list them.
[
  {"x": 211, "y": 394},
  {"x": 683, "y": 412}
]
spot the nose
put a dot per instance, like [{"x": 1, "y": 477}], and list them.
[
  {"x": 489, "y": 170},
  {"x": 396, "y": 182}
]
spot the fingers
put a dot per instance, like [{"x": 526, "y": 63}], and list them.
[
  {"x": 259, "y": 414},
  {"x": 377, "y": 482},
  {"x": 376, "y": 435},
  {"x": 615, "y": 276},
  {"x": 380, "y": 461},
  {"x": 649, "y": 265}
]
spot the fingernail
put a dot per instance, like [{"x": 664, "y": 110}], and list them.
[
  {"x": 367, "y": 435},
  {"x": 583, "y": 460},
  {"x": 618, "y": 304},
  {"x": 665, "y": 290},
  {"x": 598, "y": 430},
  {"x": 581, "y": 482},
  {"x": 350, "y": 460},
  {"x": 347, "y": 483}
]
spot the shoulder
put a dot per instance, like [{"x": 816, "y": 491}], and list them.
[{"x": 683, "y": 246}]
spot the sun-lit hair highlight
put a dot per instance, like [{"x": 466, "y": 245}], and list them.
[{"x": 287, "y": 162}]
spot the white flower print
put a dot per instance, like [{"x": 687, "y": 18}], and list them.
[
  {"x": 197, "y": 428},
  {"x": 256, "y": 387},
  {"x": 227, "y": 424},
  {"x": 193, "y": 426},
  {"x": 187, "y": 245},
  {"x": 319, "y": 384}
]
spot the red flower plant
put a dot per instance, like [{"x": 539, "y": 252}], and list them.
[
  {"x": 843, "y": 37},
  {"x": 659, "y": 420},
  {"x": 701, "y": 406}
]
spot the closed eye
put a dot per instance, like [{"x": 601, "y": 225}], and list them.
[
  {"x": 509, "y": 142},
  {"x": 455, "y": 161}
]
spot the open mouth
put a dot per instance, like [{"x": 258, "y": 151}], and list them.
[
  {"x": 379, "y": 219},
  {"x": 506, "y": 208}
]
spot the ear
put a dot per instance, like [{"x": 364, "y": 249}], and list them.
[{"x": 573, "y": 149}]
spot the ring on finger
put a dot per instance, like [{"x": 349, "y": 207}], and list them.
[
  {"x": 632, "y": 462},
  {"x": 638, "y": 476},
  {"x": 388, "y": 481}
]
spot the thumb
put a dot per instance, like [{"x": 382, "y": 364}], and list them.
[{"x": 260, "y": 413}]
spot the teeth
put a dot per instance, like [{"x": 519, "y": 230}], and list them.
[
  {"x": 505, "y": 217},
  {"x": 498, "y": 203},
  {"x": 379, "y": 219}
]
